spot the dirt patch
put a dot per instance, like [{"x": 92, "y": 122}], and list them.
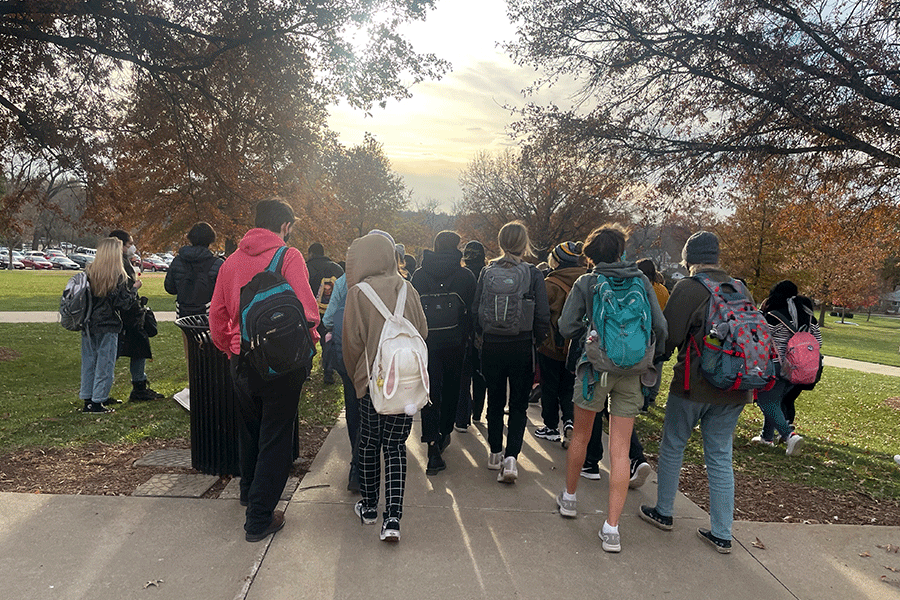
[
  {"x": 7, "y": 354},
  {"x": 104, "y": 469},
  {"x": 772, "y": 501},
  {"x": 893, "y": 402},
  {"x": 108, "y": 469}
]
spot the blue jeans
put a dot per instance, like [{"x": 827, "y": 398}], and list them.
[
  {"x": 717, "y": 423},
  {"x": 136, "y": 366},
  {"x": 98, "y": 365},
  {"x": 769, "y": 403}
]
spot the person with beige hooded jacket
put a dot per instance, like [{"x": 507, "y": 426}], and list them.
[{"x": 373, "y": 259}]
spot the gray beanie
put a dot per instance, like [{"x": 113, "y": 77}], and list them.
[{"x": 702, "y": 248}]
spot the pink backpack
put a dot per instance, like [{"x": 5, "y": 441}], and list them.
[{"x": 802, "y": 355}]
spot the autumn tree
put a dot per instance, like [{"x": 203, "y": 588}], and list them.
[
  {"x": 367, "y": 189},
  {"x": 558, "y": 190},
  {"x": 682, "y": 87},
  {"x": 112, "y": 87}
]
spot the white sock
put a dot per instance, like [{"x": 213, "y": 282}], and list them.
[
  {"x": 568, "y": 497},
  {"x": 607, "y": 528}
]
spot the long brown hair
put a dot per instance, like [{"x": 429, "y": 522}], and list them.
[{"x": 107, "y": 270}]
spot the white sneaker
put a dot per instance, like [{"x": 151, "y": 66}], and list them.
[
  {"x": 495, "y": 459},
  {"x": 611, "y": 542},
  {"x": 794, "y": 445},
  {"x": 568, "y": 429},
  {"x": 758, "y": 439},
  {"x": 567, "y": 508},
  {"x": 508, "y": 471}
]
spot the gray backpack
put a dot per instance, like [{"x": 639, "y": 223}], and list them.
[{"x": 506, "y": 307}]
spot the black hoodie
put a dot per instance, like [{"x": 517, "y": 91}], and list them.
[
  {"x": 191, "y": 279},
  {"x": 441, "y": 272}
]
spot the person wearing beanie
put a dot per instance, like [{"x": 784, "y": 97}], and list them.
[
  {"x": 447, "y": 290},
  {"x": 715, "y": 409},
  {"x": 557, "y": 382},
  {"x": 785, "y": 312},
  {"x": 472, "y": 388}
]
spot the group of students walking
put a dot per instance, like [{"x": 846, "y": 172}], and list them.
[{"x": 488, "y": 328}]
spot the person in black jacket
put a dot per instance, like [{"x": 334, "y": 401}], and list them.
[
  {"x": 472, "y": 389},
  {"x": 446, "y": 290},
  {"x": 321, "y": 267},
  {"x": 113, "y": 300},
  {"x": 192, "y": 275},
  {"x": 134, "y": 341}
]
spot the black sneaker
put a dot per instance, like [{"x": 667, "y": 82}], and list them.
[
  {"x": 366, "y": 515},
  {"x": 545, "y": 433},
  {"x": 721, "y": 546},
  {"x": 95, "y": 408},
  {"x": 640, "y": 470},
  {"x": 649, "y": 514},
  {"x": 591, "y": 472},
  {"x": 390, "y": 530},
  {"x": 436, "y": 464}
]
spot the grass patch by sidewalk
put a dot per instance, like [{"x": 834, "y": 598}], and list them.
[
  {"x": 851, "y": 435},
  {"x": 876, "y": 340},
  {"x": 41, "y": 290},
  {"x": 39, "y": 384}
]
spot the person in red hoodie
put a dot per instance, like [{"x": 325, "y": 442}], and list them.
[{"x": 268, "y": 408}]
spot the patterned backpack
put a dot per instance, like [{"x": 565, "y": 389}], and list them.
[{"x": 737, "y": 351}]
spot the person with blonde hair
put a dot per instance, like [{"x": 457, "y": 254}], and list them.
[
  {"x": 512, "y": 317},
  {"x": 112, "y": 299}
]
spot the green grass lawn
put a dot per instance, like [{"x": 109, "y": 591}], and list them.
[
  {"x": 876, "y": 340},
  {"x": 41, "y": 290},
  {"x": 852, "y": 434},
  {"x": 39, "y": 403}
]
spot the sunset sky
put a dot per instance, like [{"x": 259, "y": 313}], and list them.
[{"x": 432, "y": 136}]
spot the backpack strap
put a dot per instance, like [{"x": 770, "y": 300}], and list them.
[
  {"x": 277, "y": 260},
  {"x": 376, "y": 300},
  {"x": 559, "y": 283}
]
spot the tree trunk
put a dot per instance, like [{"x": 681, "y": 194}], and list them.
[{"x": 822, "y": 315}]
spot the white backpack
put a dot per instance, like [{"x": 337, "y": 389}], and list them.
[{"x": 398, "y": 377}]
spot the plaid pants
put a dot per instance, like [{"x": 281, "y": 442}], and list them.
[{"x": 387, "y": 434}]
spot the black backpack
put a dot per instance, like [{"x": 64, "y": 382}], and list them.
[
  {"x": 444, "y": 312},
  {"x": 275, "y": 335}
]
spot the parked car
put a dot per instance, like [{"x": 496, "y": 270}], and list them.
[
  {"x": 61, "y": 262},
  {"x": 34, "y": 262},
  {"x": 82, "y": 260},
  {"x": 36, "y": 254},
  {"x": 153, "y": 264},
  {"x": 51, "y": 252},
  {"x": 4, "y": 262}
]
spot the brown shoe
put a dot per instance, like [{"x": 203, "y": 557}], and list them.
[{"x": 276, "y": 524}]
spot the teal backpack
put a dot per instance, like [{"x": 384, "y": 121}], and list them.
[{"x": 620, "y": 338}]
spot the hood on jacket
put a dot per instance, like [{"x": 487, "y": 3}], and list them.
[
  {"x": 259, "y": 240},
  {"x": 619, "y": 269},
  {"x": 194, "y": 253},
  {"x": 441, "y": 265},
  {"x": 372, "y": 254}
]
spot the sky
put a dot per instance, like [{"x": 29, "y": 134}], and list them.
[{"x": 432, "y": 136}]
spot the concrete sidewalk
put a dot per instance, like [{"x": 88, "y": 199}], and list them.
[{"x": 464, "y": 536}]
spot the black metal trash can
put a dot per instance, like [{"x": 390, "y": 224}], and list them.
[{"x": 215, "y": 414}]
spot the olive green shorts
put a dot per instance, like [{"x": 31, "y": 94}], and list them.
[{"x": 623, "y": 391}]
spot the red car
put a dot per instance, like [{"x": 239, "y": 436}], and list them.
[{"x": 33, "y": 262}]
